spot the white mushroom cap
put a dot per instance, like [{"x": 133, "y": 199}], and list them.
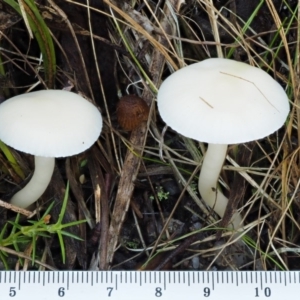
[
  {"x": 50, "y": 123},
  {"x": 222, "y": 101}
]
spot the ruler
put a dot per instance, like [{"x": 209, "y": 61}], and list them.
[{"x": 131, "y": 285}]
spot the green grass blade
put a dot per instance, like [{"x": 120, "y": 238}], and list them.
[
  {"x": 42, "y": 34},
  {"x": 11, "y": 160}
]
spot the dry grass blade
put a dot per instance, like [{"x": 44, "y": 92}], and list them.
[{"x": 22, "y": 255}]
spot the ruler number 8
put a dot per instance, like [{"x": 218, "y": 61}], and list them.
[{"x": 158, "y": 292}]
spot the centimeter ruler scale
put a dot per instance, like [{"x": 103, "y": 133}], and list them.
[{"x": 131, "y": 285}]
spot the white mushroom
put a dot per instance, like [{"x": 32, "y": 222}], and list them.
[
  {"x": 47, "y": 124},
  {"x": 220, "y": 102}
]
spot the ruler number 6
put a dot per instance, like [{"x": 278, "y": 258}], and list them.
[{"x": 61, "y": 292}]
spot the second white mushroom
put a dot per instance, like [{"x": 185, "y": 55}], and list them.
[{"x": 220, "y": 101}]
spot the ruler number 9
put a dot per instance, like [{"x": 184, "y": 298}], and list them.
[{"x": 206, "y": 292}]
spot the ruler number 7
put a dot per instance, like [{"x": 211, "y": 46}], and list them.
[{"x": 109, "y": 289}]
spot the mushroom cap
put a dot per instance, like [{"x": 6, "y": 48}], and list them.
[
  {"x": 50, "y": 123},
  {"x": 222, "y": 101}
]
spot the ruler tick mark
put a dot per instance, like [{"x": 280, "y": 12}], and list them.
[
  {"x": 294, "y": 278},
  {"x": 140, "y": 278}
]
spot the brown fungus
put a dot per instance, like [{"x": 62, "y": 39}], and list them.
[{"x": 131, "y": 112}]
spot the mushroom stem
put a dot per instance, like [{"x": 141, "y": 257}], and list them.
[
  {"x": 37, "y": 185},
  {"x": 210, "y": 171}
]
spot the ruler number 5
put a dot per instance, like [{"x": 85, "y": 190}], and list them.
[{"x": 12, "y": 292}]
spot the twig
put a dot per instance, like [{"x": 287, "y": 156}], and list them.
[{"x": 16, "y": 209}]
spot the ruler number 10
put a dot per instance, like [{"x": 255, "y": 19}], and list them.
[{"x": 266, "y": 291}]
